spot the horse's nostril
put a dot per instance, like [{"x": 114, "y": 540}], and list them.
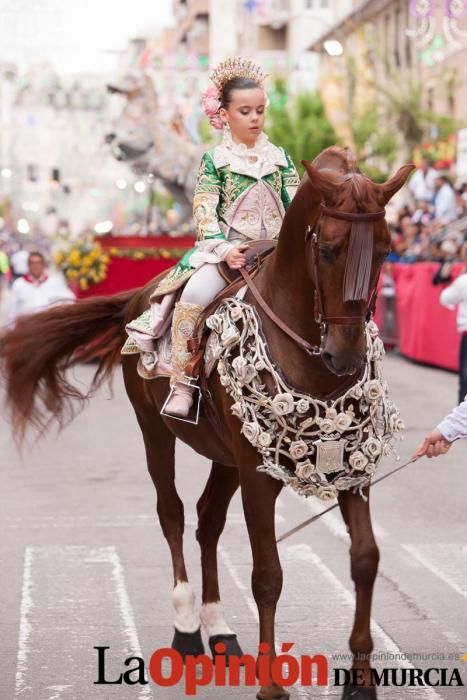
[{"x": 109, "y": 137}]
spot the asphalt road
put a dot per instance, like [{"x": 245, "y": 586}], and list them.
[{"x": 84, "y": 564}]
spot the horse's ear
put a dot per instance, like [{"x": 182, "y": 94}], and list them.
[
  {"x": 322, "y": 182},
  {"x": 389, "y": 188}
]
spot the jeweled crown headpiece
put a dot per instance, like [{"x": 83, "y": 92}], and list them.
[{"x": 237, "y": 67}]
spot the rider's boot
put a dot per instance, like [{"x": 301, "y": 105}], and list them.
[{"x": 183, "y": 324}]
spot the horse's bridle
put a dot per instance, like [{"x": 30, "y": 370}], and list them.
[{"x": 312, "y": 240}]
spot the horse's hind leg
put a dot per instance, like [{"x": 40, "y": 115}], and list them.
[
  {"x": 212, "y": 511},
  {"x": 160, "y": 454},
  {"x": 364, "y": 558}
]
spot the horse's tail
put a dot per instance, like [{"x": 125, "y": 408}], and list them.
[{"x": 37, "y": 351}]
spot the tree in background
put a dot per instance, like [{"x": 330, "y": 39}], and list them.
[
  {"x": 298, "y": 124},
  {"x": 401, "y": 107}
]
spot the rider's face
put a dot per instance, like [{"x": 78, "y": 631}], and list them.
[{"x": 245, "y": 114}]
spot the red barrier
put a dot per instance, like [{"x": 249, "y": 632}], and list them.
[
  {"x": 128, "y": 273},
  {"x": 427, "y": 331}
]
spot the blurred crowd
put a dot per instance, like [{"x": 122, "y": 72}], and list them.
[{"x": 434, "y": 226}]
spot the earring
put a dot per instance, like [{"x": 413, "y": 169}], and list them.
[{"x": 227, "y": 126}]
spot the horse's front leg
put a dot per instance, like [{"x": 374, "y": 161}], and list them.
[
  {"x": 364, "y": 558},
  {"x": 212, "y": 511},
  {"x": 259, "y": 494}
]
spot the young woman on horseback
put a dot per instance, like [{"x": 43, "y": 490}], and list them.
[{"x": 243, "y": 188}]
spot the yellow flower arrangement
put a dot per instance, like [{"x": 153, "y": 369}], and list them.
[{"x": 83, "y": 261}]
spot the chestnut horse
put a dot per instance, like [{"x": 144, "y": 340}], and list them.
[{"x": 37, "y": 352}]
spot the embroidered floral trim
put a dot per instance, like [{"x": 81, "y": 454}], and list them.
[{"x": 316, "y": 447}]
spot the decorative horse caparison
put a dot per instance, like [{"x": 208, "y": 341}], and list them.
[{"x": 36, "y": 353}]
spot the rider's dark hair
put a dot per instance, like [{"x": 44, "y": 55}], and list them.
[{"x": 236, "y": 84}]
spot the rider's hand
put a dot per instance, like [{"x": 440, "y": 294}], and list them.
[
  {"x": 235, "y": 258},
  {"x": 434, "y": 444}
]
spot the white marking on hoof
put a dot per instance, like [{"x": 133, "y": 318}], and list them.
[
  {"x": 212, "y": 619},
  {"x": 183, "y": 600}
]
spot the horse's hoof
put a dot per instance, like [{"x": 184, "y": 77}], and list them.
[
  {"x": 232, "y": 647},
  {"x": 188, "y": 643},
  {"x": 355, "y": 692},
  {"x": 273, "y": 693}
]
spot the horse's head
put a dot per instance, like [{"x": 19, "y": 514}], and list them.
[{"x": 347, "y": 242}]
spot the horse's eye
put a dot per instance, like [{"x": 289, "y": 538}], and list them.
[{"x": 326, "y": 253}]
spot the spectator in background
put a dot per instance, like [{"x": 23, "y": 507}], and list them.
[
  {"x": 452, "y": 296},
  {"x": 36, "y": 291},
  {"x": 445, "y": 200},
  {"x": 423, "y": 213},
  {"x": 422, "y": 182}
]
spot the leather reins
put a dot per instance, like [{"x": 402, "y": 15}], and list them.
[{"x": 312, "y": 255}]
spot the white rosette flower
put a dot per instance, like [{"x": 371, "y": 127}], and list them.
[
  {"x": 236, "y": 409},
  {"x": 260, "y": 365},
  {"x": 327, "y": 493},
  {"x": 342, "y": 422},
  {"x": 373, "y": 390},
  {"x": 370, "y": 468},
  {"x": 245, "y": 372},
  {"x": 358, "y": 460},
  {"x": 396, "y": 424},
  {"x": 331, "y": 413},
  {"x": 229, "y": 336},
  {"x": 264, "y": 439},
  {"x": 372, "y": 329},
  {"x": 377, "y": 351},
  {"x": 372, "y": 448},
  {"x": 224, "y": 379},
  {"x": 298, "y": 449},
  {"x": 356, "y": 392},
  {"x": 302, "y": 406},
  {"x": 236, "y": 313},
  {"x": 304, "y": 470},
  {"x": 214, "y": 322},
  {"x": 326, "y": 425},
  {"x": 282, "y": 404},
  {"x": 251, "y": 431}
]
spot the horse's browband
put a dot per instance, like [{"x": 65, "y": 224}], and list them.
[{"x": 352, "y": 216}]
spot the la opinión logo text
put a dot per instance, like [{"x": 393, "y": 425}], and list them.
[{"x": 168, "y": 668}]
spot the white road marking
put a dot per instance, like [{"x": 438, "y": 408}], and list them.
[
  {"x": 109, "y": 554},
  {"x": 63, "y": 583},
  {"x": 24, "y": 625},
  {"x": 238, "y": 581},
  {"x": 61, "y": 522},
  {"x": 454, "y": 563}
]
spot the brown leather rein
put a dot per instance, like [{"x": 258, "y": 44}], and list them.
[{"x": 312, "y": 255}]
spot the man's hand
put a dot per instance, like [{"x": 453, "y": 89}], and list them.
[
  {"x": 235, "y": 258},
  {"x": 434, "y": 444}
]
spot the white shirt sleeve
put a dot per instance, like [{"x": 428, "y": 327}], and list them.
[
  {"x": 455, "y": 293},
  {"x": 455, "y": 424}
]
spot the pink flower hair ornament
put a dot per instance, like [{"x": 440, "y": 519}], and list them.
[{"x": 211, "y": 103}]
